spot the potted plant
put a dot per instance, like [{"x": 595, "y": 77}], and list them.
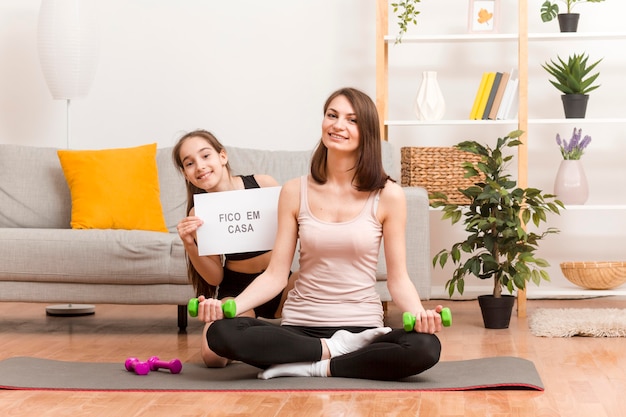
[
  {"x": 574, "y": 79},
  {"x": 497, "y": 246},
  {"x": 407, "y": 15},
  {"x": 568, "y": 21}
]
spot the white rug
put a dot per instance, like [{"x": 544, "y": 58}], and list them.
[{"x": 568, "y": 322}]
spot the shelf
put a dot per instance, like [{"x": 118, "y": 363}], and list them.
[
  {"x": 592, "y": 36},
  {"x": 575, "y": 207},
  {"x": 571, "y": 291},
  {"x": 577, "y": 121},
  {"x": 546, "y": 290},
  {"x": 449, "y": 122},
  {"x": 590, "y": 207},
  {"x": 455, "y": 38},
  {"x": 468, "y": 122}
]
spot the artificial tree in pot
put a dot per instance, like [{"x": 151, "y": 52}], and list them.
[
  {"x": 573, "y": 79},
  {"x": 568, "y": 21},
  {"x": 497, "y": 245}
]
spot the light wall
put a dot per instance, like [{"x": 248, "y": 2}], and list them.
[{"x": 254, "y": 72}]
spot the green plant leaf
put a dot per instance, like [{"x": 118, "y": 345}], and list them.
[
  {"x": 496, "y": 245},
  {"x": 549, "y": 11},
  {"x": 573, "y": 76}
]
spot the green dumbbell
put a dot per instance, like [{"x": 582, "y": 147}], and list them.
[
  {"x": 408, "y": 319},
  {"x": 228, "y": 307}
]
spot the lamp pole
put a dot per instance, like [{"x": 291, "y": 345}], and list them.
[{"x": 68, "y": 46}]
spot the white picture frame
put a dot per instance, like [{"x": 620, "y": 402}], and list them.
[{"x": 483, "y": 16}]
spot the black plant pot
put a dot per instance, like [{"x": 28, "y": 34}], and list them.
[
  {"x": 575, "y": 105},
  {"x": 568, "y": 22},
  {"x": 496, "y": 311}
]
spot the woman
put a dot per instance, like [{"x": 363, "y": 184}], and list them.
[
  {"x": 332, "y": 321},
  {"x": 203, "y": 161}
]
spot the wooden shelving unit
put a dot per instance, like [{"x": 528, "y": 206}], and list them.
[
  {"x": 524, "y": 39},
  {"x": 382, "y": 92}
]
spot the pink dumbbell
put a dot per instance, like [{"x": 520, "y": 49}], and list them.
[
  {"x": 175, "y": 366},
  {"x": 134, "y": 364}
]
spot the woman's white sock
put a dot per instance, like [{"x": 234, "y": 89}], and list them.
[
  {"x": 343, "y": 341},
  {"x": 319, "y": 368},
  {"x": 340, "y": 343}
]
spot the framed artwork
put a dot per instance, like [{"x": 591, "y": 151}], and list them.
[{"x": 483, "y": 16}]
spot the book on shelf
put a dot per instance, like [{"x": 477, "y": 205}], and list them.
[
  {"x": 509, "y": 104},
  {"x": 492, "y": 95},
  {"x": 497, "y": 100},
  {"x": 479, "y": 92},
  {"x": 484, "y": 95}
]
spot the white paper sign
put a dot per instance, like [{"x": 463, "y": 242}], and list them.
[{"x": 237, "y": 221}]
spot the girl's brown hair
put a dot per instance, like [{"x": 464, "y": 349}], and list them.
[
  {"x": 369, "y": 174},
  {"x": 201, "y": 286}
]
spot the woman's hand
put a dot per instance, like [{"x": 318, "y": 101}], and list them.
[
  {"x": 428, "y": 321},
  {"x": 187, "y": 228},
  {"x": 209, "y": 309}
]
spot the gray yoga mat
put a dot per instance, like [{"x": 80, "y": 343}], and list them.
[{"x": 502, "y": 372}]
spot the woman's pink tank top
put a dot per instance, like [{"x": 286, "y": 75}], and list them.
[{"x": 338, "y": 263}]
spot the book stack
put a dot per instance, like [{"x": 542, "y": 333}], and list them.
[{"x": 496, "y": 97}]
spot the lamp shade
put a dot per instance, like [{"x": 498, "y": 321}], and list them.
[{"x": 69, "y": 45}]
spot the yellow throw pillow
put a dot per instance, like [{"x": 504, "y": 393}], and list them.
[{"x": 114, "y": 188}]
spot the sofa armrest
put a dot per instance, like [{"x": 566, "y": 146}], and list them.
[
  {"x": 418, "y": 240},
  {"x": 417, "y": 246}
]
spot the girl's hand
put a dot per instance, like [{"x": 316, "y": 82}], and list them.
[
  {"x": 428, "y": 321},
  {"x": 209, "y": 309},
  {"x": 187, "y": 228}
]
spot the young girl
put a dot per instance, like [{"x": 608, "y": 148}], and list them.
[
  {"x": 204, "y": 163},
  {"x": 332, "y": 322}
]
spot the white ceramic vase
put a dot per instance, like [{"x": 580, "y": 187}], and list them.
[
  {"x": 570, "y": 184},
  {"x": 429, "y": 102}
]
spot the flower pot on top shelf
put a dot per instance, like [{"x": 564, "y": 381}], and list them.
[{"x": 568, "y": 21}]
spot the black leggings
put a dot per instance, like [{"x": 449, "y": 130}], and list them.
[
  {"x": 392, "y": 356},
  {"x": 234, "y": 283}
]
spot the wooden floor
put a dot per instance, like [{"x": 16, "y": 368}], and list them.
[{"x": 582, "y": 376}]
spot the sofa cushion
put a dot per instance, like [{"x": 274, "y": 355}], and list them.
[
  {"x": 114, "y": 188},
  {"x": 173, "y": 191},
  {"x": 284, "y": 165},
  {"x": 33, "y": 191},
  {"x": 126, "y": 257}
]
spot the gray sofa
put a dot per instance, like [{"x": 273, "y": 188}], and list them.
[{"x": 43, "y": 260}]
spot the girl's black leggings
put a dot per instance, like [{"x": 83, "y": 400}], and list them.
[{"x": 392, "y": 356}]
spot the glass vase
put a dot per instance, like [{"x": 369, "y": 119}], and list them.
[
  {"x": 570, "y": 184},
  {"x": 429, "y": 102}
]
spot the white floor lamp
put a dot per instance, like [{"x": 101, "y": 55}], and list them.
[{"x": 69, "y": 46}]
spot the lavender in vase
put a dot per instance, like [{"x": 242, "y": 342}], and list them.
[
  {"x": 575, "y": 148},
  {"x": 570, "y": 184}
]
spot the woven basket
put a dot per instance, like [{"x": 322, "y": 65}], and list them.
[
  {"x": 595, "y": 275},
  {"x": 437, "y": 169}
]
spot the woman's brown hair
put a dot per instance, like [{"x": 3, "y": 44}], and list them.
[{"x": 369, "y": 174}]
